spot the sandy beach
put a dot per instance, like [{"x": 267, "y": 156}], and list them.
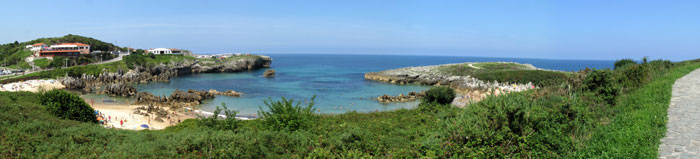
[
  {"x": 114, "y": 113},
  {"x": 32, "y": 85}
]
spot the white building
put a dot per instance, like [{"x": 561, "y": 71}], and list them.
[
  {"x": 165, "y": 51},
  {"x": 160, "y": 51}
]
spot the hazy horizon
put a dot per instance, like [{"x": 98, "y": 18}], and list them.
[{"x": 587, "y": 30}]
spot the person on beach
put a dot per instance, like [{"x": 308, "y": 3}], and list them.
[{"x": 121, "y": 123}]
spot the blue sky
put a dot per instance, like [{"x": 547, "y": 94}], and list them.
[{"x": 586, "y": 29}]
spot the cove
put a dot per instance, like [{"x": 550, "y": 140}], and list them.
[{"x": 336, "y": 80}]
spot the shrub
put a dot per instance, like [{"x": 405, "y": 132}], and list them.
[
  {"x": 537, "y": 77},
  {"x": 220, "y": 123},
  {"x": 602, "y": 83},
  {"x": 134, "y": 60},
  {"x": 633, "y": 76},
  {"x": 68, "y": 106},
  {"x": 440, "y": 95},
  {"x": 284, "y": 115},
  {"x": 624, "y": 62},
  {"x": 516, "y": 125},
  {"x": 432, "y": 106}
]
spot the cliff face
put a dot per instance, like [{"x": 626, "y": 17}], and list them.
[
  {"x": 121, "y": 82},
  {"x": 239, "y": 65}
]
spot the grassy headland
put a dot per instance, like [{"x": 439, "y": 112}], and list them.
[
  {"x": 594, "y": 113},
  {"x": 505, "y": 72}
]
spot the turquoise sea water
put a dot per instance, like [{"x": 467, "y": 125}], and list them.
[{"x": 337, "y": 80}]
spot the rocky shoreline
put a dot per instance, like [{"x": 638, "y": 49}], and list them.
[
  {"x": 120, "y": 83},
  {"x": 466, "y": 86},
  {"x": 411, "y": 96}
]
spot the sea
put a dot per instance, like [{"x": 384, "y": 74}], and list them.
[{"x": 336, "y": 81}]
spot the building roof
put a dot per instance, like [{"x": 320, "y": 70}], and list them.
[
  {"x": 77, "y": 44},
  {"x": 159, "y": 49},
  {"x": 38, "y": 44},
  {"x": 48, "y": 51}
]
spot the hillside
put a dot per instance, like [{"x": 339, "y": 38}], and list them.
[{"x": 13, "y": 54}]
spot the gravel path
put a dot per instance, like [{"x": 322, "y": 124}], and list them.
[{"x": 682, "y": 138}]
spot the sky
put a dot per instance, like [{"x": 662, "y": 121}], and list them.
[{"x": 586, "y": 29}]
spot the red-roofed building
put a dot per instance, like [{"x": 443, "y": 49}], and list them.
[{"x": 65, "y": 49}]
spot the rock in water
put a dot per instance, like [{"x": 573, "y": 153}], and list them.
[{"x": 269, "y": 73}]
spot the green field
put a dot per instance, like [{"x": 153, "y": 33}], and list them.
[
  {"x": 595, "y": 114},
  {"x": 505, "y": 72},
  {"x": 42, "y": 63}
]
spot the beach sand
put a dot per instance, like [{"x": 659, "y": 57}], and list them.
[
  {"x": 32, "y": 85},
  {"x": 120, "y": 112}
]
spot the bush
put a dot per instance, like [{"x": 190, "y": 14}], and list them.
[
  {"x": 516, "y": 125},
  {"x": 68, "y": 106},
  {"x": 440, "y": 95},
  {"x": 624, "y": 62},
  {"x": 134, "y": 60},
  {"x": 284, "y": 115},
  {"x": 219, "y": 123},
  {"x": 633, "y": 76},
  {"x": 537, "y": 77},
  {"x": 432, "y": 106},
  {"x": 602, "y": 83}
]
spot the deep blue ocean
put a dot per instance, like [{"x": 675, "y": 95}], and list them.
[{"x": 336, "y": 80}]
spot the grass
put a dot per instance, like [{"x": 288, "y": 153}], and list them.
[
  {"x": 505, "y": 72},
  {"x": 552, "y": 122},
  {"x": 498, "y": 66},
  {"x": 167, "y": 59},
  {"x": 640, "y": 123},
  {"x": 42, "y": 63},
  {"x": 19, "y": 57},
  {"x": 28, "y": 131}
]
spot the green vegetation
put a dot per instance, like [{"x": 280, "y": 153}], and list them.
[
  {"x": 506, "y": 72},
  {"x": 440, "y": 95},
  {"x": 572, "y": 119},
  {"x": 42, "y": 63},
  {"x": 218, "y": 123},
  {"x": 284, "y": 115},
  {"x": 13, "y": 54},
  {"x": 152, "y": 60},
  {"x": 624, "y": 62},
  {"x": 640, "y": 123},
  {"x": 67, "y": 106},
  {"x": 127, "y": 63}
]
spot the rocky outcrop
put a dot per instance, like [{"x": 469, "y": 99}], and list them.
[
  {"x": 119, "y": 82},
  {"x": 269, "y": 73},
  {"x": 225, "y": 93},
  {"x": 469, "y": 89},
  {"x": 238, "y": 65},
  {"x": 431, "y": 75},
  {"x": 120, "y": 89},
  {"x": 412, "y": 96},
  {"x": 179, "y": 99}
]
